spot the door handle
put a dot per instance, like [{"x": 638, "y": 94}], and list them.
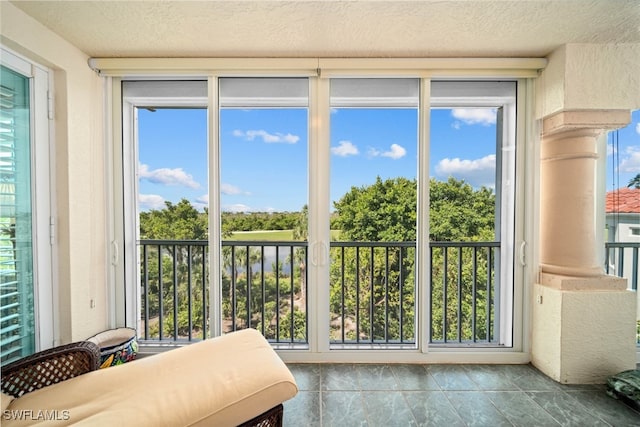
[{"x": 318, "y": 250}]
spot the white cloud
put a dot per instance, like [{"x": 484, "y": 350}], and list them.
[
  {"x": 477, "y": 172},
  {"x": 270, "y": 138},
  {"x": 229, "y": 189},
  {"x": 474, "y": 116},
  {"x": 238, "y": 207},
  {"x": 638, "y": 128},
  {"x": 150, "y": 201},
  {"x": 630, "y": 160},
  {"x": 166, "y": 176},
  {"x": 201, "y": 202},
  {"x": 395, "y": 152},
  {"x": 344, "y": 149}
]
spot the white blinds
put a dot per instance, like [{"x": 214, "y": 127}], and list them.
[
  {"x": 264, "y": 92},
  {"x": 375, "y": 92},
  {"x": 177, "y": 92},
  {"x": 17, "y": 326}
]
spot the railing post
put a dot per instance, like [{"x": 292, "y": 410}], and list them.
[
  {"x": 160, "y": 292},
  {"x": 175, "y": 292},
  {"x": 189, "y": 290}
]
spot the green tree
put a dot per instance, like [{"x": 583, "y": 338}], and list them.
[
  {"x": 458, "y": 213},
  {"x": 634, "y": 182},
  {"x": 372, "y": 287},
  {"x": 382, "y": 212},
  {"x": 378, "y": 286},
  {"x": 179, "y": 221}
]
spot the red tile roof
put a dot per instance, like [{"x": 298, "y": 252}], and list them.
[{"x": 623, "y": 200}]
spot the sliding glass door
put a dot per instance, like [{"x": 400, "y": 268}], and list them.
[
  {"x": 263, "y": 140},
  {"x": 374, "y": 165},
  {"x": 16, "y": 251},
  {"x": 27, "y": 321},
  {"x": 331, "y": 214}
]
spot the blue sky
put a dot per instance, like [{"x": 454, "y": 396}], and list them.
[
  {"x": 623, "y": 154},
  {"x": 264, "y": 153}
]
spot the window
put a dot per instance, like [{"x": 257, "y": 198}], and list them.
[
  {"x": 374, "y": 161},
  {"x": 26, "y": 299},
  {"x": 263, "y": 139},
  {"x": 165, "y": 190},
  {"x": 324, "y": 198},
  {"x": 472, "y": 212}
]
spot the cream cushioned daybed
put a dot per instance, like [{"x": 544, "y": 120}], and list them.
[{"x": 224, "y": 381}]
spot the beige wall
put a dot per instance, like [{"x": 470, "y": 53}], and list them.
[
  {"x": 79, "y": 169},
  {"x": 580, "y": 334},
  {"x": 590, "y": 76}
]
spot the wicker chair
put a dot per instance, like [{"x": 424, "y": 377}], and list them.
[
  {"x": 61, "y": 363},
  {"x": 271, "y": 418},
  {"x": 49, "y": 367}
]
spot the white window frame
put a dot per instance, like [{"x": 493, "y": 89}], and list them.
[
  {"x": 495, "y": 94},
  {"x": 43, "y": 197},
  {"x": 515, "y": 352},
  {"x": 150, "y": 94}
]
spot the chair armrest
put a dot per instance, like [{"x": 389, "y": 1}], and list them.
[{"x": 49, "y": 367}]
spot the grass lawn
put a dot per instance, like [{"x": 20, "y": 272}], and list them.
[
  {"x": 271, "y": 235},
  {"x": 268, "y": 235}
]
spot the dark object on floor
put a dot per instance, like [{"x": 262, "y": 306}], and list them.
[{"x": 626, "y": 387}]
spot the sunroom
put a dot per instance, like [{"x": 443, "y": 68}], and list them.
[{"x": 315, "y": 107}]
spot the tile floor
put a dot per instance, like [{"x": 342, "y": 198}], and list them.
[{"x": 348, "y": 395}]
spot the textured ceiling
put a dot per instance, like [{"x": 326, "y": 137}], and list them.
[{"x": 425, "y": 28}]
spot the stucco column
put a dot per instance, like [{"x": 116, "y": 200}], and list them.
[
  {"x": 568, "y": 163},
  {"x": 583, "y": 326}
]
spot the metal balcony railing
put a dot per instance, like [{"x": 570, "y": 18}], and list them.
[
  {"x": 173, "y": 290},
  {"x": 465, "y": 293},
  {"x": 621, "y": 259},
  {"x": 372, "y": 292},
  {"x": 371, "y": 286},
  {"x": 264, "y": 287}
]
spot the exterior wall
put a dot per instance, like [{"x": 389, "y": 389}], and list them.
[{"x": 79, "y": 169}]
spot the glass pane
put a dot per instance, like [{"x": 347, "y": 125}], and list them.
[
  {"x": 374, "y": 143},
  {"x": 17, "y": 329},
  {"x": 622, "y": 206},
  {"x": 464, "y": 223},
  {"x": 173, "y": 201},
  {"x": 263, "y": 169}
]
